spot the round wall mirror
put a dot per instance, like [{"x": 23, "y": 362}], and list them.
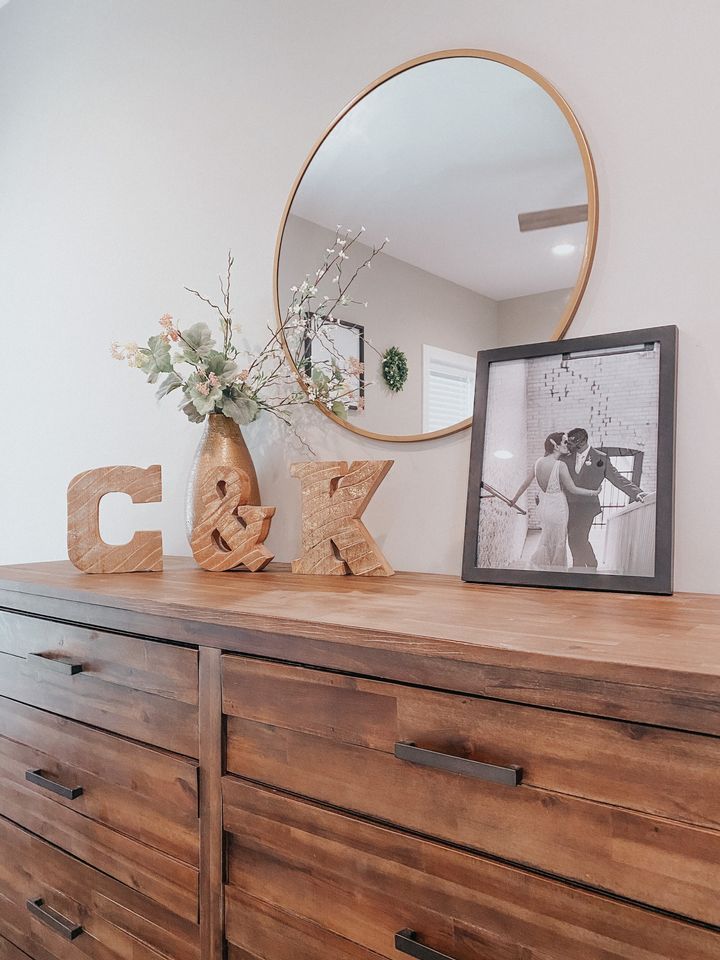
[{"x": 477, "y": 172}]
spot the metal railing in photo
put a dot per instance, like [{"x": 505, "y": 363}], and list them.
[
  {"x": 492, "y": 494},
  {"x": 629, "y": 463}
]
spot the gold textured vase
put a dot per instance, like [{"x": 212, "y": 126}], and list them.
[{"x": 222, "y": 443}]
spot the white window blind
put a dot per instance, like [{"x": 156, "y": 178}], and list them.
[{"x": 448, "y": 387}]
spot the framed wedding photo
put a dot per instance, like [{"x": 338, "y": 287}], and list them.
[{"x": 572, "y": 464}]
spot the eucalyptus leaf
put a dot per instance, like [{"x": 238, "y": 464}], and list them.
[
  {"x": 204, "y": 405},
  {"x": 241, "y": 409},
  {"x": 155, "y": 358},
  {"x": 198, "y": 342},
  {"x": 202, "y": 394},
  {"x": 340, "y": 410},
  {"x": 217, "y": 363},
  {"x": 191, "y": 413},
  {"x": 171, "y": 382}
]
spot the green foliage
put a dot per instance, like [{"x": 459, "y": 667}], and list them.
[
  {"x": 188, "y": 408},
  {"x": 217, "y": 363},
  {"x": 207, "y": 371},
  {"x": 171, "y": 382},
  {"x": 320, "y": 378},
  {"x": 394, "y": 367},
  {"x": 155, "y": 358},
  {"x": 203, "y": 395},
  {"x": 198, "y": 342},
  {"x": 240, "y": 408}
]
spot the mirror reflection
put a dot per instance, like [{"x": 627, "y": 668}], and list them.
[{"x": 475, "y": 175}]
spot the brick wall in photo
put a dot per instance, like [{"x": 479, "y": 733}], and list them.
[
  {"x": 615, "y": 398},
  {"x": 502, "y": 531}
]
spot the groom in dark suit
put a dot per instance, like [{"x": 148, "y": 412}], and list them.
[{"x": 588, "y": 468}]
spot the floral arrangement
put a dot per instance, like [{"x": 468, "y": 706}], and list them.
[
  {"x": 214, "y": 375},
  {"x": 313, "y": 317},
  {"x": 394, "y": 368}
]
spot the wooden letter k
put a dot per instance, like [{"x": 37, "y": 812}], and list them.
[{"x": 334, "y": 497}]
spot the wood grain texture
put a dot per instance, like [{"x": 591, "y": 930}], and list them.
[
  {"x": 335, "y": 495},
  {"x": 146, "y": 794},
  {"x": 211, "y": 824},
  {"x": 160, "y": 877},
  {"x": 261, "y": 930},
  {"x": 588, "y": 785},
  {"x": 156, "y": 720},
  {"x": 157, "y": 669},
  {"x": 666, "y": 773},
  {"x": 228, "y": 533},
  {"x": 134, "y": 687},
  {"x": 86, "y": 548},
  {"x": 117, "y": 922},
  {"x": 628, "y": 807},
  {"x": 8, "y": 951},
  {"x": 363, "y": 882},
  {"x": 647, "y": 659}
]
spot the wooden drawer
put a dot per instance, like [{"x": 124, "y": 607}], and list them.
[
  {"x": 8, "y": 951},
  {"x": 105, "y": 919},
  {"x": 270, "y": 933},
  {"x": 147, "y": 690},
  {"x": 133, "y": 798},
  {"x": 618, "y": 806},
  {"x": 341, "y": 887}
]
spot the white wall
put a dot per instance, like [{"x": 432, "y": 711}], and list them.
[
  {"x": 531, "y": 319},
  {"x": 406, "y": 307},
  {"x": 139, "y": 140}
]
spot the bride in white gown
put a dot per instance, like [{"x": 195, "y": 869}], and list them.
[{"x": 553, "y": 478}]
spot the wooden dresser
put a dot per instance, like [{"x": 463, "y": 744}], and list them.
[{"x": 270, "y": 767}]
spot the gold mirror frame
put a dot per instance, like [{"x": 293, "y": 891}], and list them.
[{"x": 590, "y": 239}]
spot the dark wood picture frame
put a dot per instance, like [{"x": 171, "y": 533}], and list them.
[
  {"x": 662, "y": 581},
  {"x": 359, "y": 328}
]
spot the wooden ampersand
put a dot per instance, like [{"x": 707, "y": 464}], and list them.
[
  {"x": 228, "y": 533},
  {"x": 86, "y": 548},
  {"x": 334, "y": 497}
]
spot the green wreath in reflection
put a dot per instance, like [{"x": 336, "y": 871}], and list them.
[{"x": 394, "y": 368}]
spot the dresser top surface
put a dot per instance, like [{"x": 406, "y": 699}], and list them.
[{"x": 576, "y": 632}]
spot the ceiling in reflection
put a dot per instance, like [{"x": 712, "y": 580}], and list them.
[{"x": 442, "y": 159}]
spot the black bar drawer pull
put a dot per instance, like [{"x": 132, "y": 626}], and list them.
[
  {"x": 69, "y": 793},
  {"x": 53, "y": 920},
  {"x": 59, "y": 664},
  {"x": 510, "y": 776},
  {"x": 406, "y": 941}
]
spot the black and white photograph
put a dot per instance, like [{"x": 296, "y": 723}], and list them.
[{"x": 572, "y": 463}]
